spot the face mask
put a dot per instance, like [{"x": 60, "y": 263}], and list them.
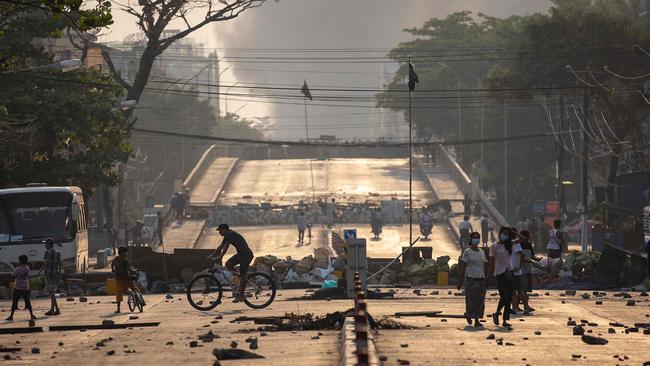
[
  {"x": 476, "y": 241},
  {"x": 504, "y": 237}
]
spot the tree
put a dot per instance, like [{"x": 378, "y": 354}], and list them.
[
  {"x": 56, "y": 128},
  {"x": 585, "y": 43},
  {"x": 153, "y": 18}
]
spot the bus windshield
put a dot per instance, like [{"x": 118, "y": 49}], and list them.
[{"x": 33, "y": 216}]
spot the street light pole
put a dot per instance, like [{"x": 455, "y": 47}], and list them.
[{"x": 460, "y": 118}]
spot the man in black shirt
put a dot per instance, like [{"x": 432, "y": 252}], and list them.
[{"x": 244, "y": 255}]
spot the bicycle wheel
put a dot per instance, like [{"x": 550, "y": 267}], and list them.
[
  {"x": 260, "y": 290},
  {"x": 131, "y": 301},
  {"x": 204, "y": 292}
]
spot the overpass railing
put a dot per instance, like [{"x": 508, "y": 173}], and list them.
[{"x": 464, "y": 182}]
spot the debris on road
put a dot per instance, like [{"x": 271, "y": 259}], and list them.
[{"x": 594, "y": 340}]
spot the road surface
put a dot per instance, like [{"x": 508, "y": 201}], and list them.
[
  {"x": 434, "y": 342},
  {"x": 281, "y": 240},
  {"x": 347, "y": 180}
]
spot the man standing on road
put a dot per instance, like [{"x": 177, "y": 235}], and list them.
[
  {"x": 465, "y": 227},
  {"x": 244, "y": 255},
  {"x": 485, "y": 228},
  {"x": 302, "y": 225},
  {"x": 159, "y": 227},
  {"x": 52, "y": 268}
]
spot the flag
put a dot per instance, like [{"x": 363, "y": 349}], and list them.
[
  {"x": 305, "y": 91},
  {"x": 413, "y": 77}
]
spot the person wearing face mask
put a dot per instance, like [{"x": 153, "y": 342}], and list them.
[
  {"x": 472, "y": 275},
  {"x": 501, "y": 268}
]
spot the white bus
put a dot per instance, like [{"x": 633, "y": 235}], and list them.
[{"x": 31, "y": 214}]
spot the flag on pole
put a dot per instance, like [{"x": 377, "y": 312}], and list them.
[
  {"x": 305, "y": 91},
  {"x": 413, "y": 77}
]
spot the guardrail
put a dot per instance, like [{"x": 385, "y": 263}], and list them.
[
  {"x": 206, "y": 160},
  {"x": 464, "y": 182}
]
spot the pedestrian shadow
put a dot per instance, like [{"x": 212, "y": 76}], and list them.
[{"x": 112, "y": 315}]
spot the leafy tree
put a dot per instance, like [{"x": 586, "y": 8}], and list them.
[
  {"x": 56, "y": 128},
  {"x": 585, "y": 44}
]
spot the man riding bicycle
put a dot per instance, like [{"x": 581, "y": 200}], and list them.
[{"x": 244, "y": 255}]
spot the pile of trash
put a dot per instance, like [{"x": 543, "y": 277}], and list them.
[
  {"x": 318, "y": 267},
  {"x": 580, "y": 264},
  {"x": 424, "y": 272}
]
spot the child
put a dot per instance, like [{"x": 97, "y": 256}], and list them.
[
  {"x": 120, "y": 267},
  {"x": 21, "y": 289}
]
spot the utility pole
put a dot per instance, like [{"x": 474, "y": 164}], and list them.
[
  {"x": 505, "y": 158},
  {"x": 410, "y": 174},
  {"x": 560, "y": 158},
  {"x": 585, "y": 173}
]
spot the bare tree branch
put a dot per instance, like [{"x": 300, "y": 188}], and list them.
[{"x": 111, "y": 67}]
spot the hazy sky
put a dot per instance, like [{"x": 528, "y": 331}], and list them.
[{"x": 322, "y": 24}]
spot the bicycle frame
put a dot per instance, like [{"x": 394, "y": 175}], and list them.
[{"x": 219, "y": 269}]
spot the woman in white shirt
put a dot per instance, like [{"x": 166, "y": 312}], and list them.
[{"x": 472, "y": 274}]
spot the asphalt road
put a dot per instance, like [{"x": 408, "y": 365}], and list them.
[
  {"x": 347, "y": 180},
  {"x": 281, "y": 240},
  {"x": 540, "y": 339}
]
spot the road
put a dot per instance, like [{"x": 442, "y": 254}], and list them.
[
  {"x": 280, "y": 240},
  {"x": 288, "y": 181},
  {"x": 435, "y": 341}
]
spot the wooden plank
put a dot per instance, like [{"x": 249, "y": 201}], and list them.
[
  {"x": 63, "y": 328},
  {"x": 21, "y": 330}
]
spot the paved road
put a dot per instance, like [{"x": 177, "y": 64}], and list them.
[
  {"x": 280, "y": 240},
  {"x": 435, "y": 341},
  {"x": 289, "y": 181}
]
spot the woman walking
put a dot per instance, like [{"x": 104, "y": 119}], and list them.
[
  {"x": 472, "y": 274},
  {"x": 501, "y": 267}
]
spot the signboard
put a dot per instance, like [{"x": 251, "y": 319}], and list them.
[{"x": 349, "y": 234}]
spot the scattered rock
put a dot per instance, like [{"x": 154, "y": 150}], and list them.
[
  {"x": 403, "y": 362},
  {"x": 570, "y": 292},
  {"x": 571, "y": 323},
  {"x": 133, "y": 317},
  {"x": 83, "y": 299},
  {"x": 193, "y": 344},
  {"x": 69, "y": 299},
  {"x": 404, "y": 345},
  {"x": 583, "y": 321},
  {"x": 233, "y": 344},
  {"x": 599, "y": 302},
  {"x": 586, "y": 296},
  {"x": 611, "y": 330},
  {"x": 170, "y": 343},
  {"x": 594, "y": 340},
  {"x": 207, "y": 337},
  {"x": 108, "y": 322},
  {"x": 619, "y": 325},
  {"x": 592, "y": 324},
  {"x": 110, "y": 353},
  {"x": 630, "y": 303},
  {"x": 578, "y": 330},
  {"x": 509, "y": 344},
  {"x": 576, "y": 356},
  {"x": 263, "y": 334},
  {"x": 32, "y": 323},
  {"x": 383, "y": 358},
  {"x": 36, "y": 350},
  {"x": 60, "y": 344},
  {"x": 435, "y": 292},
  {"x": 537, "y": 332},
  {"x": 632, "y": 330},
  {"x": 169, "y": 296},
  {"x": 315, "y": 337},
  {"x": 253, "y": 344},
  {"x": 644, "y": 294},
  {"x": 490, "y": 336}
]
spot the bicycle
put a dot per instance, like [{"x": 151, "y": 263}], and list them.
[
  {"x": 205, "y": 291},
  {"x": 135, "y": 301}
]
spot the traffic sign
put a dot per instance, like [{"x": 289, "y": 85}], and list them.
[{"x": 349, "y": 234}]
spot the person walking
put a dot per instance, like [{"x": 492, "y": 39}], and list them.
[
  {"x": 555, "y": 240},
  {"x": 527, "y": 247},
  {"x": 472, "y": 275},
  {"x": 516, "y": 259},
  {"x": 465, "y": 227},
  {"x": 376, "y": 223},
  {"x": 160, "y": 227},
  {"x": 52, "y": 268},
  {"x": 302, "y": 225},
  {"x": 21, "y": 287},
  {"x": 121, "y": 267},
  {"x": 501, "y": 267},
  {"x": 485, "y": 228}
]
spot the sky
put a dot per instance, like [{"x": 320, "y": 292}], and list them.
[{"x": 321, "y": 24}]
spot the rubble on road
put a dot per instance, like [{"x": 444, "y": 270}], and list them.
[{"x": 234, "y": 354}]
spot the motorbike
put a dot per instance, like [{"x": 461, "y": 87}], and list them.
[{"x": 425, "y": 229}]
